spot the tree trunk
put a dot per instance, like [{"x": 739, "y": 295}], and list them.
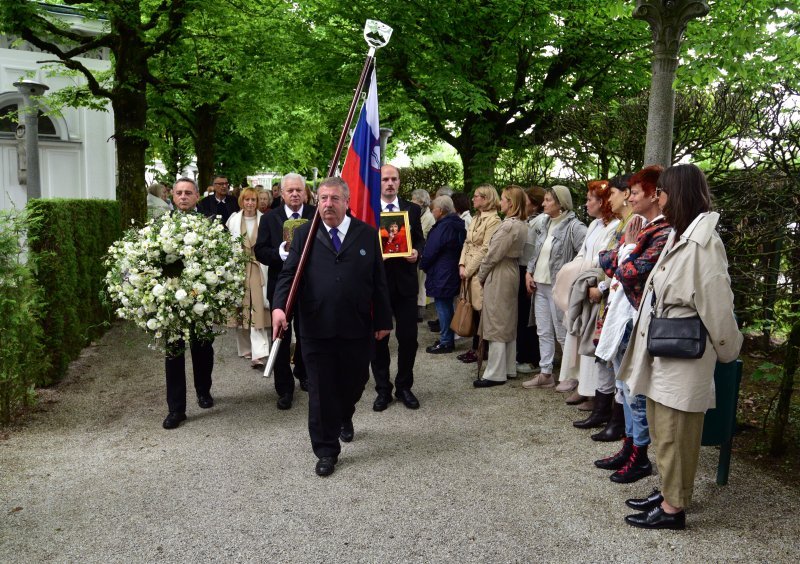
[
  {"x": 130, "y": 110},
  {"x": 206, "y": 120},
  {"x": 479, "y": 154},
  {"x": 129, "y": 102}
]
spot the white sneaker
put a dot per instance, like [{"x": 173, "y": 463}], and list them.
[{"x": 524, "y": 368}]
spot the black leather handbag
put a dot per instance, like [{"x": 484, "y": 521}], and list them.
[{"x": 676, "y": 337}]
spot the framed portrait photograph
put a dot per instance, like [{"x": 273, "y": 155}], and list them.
[{"x": 395, "y": 235}]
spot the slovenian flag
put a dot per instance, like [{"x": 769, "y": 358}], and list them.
[{"x": 362, "y": 165}]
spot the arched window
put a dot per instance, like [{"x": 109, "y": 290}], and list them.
[{"x": 8, "y": 122}]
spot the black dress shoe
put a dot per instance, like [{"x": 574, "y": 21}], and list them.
[
  {"x": 481, "y": 383},
  {"x": 408, "y": 398},
  {"x": 434, "y": 326},
  {"x": 381, "y": 402},
  {"x": 657, "y": 518},
  {"x": 205, "y": 401},
  {"x": 347, "y": 432},
  {"x": 646, "y": 504},
  {"x": 173, "y": 420},
  {"x": 326, "y": 465},
  {"x": 303, "y": 384},
  {"x": 440, "y": 348},
  {"x": 285, "y": 401}
]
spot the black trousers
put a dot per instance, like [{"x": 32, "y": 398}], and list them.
[
  {"x": 404, "y": 309},
  {"x": 175, "y": 368},
  {"x": 527, "y": 338},
  {"x": 284, "y": 380},
  {"x": 338, "y": 370}
]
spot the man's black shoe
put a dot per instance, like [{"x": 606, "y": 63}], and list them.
[
  {"x": 381, "y": 402},
  {"x": 440, "y": 348},
  {"x": 646, "y": 504},
  {"x": 434, "y": 326},
  {"x": 408, "y": 398},
  {"x": 205, "y": 401},
  {"x": 173, "y": 420},
  {"x": 303, "y": 384},
  {"x": 347, "y": 432},
  {"x": 326, "y": 465},
  {"x": 285, "y": 401},
  {"x": 657, "y": 518}
]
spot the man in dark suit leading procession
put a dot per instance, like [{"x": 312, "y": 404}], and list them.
[{"x": 343, "y": 306}]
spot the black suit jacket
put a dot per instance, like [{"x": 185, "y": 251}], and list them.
[
  {"x": 401, "y": 275},
  {"x": 342, "y": 295},
  {"x": 270, "y": 237},
  {"x": 208, "y": 207}
]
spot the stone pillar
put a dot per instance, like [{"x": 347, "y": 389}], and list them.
[
  {"x": 29, "y": 132},
  {"x": 385, "y": 134},
  {"x": 667, "y": 19}
]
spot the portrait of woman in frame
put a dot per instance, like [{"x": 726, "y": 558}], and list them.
[{"x": 394, "y": 234}]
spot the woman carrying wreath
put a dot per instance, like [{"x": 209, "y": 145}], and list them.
[
  {"x": 254, "y": 325},
  {"x": 480, "y": 231}
]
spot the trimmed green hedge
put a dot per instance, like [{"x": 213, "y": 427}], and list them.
[{"x": 68, "y": 240}]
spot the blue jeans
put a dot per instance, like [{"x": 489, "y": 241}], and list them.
[
  {"x": 634, "y": 407},
  {"x": 444, "y": 309}
]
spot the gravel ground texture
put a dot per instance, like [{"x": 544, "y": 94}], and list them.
[{"x": 490, "y": 475}]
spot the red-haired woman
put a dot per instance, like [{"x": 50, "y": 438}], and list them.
[
  {"x": 648, "y": 232},
  {"x": 581, "y": 305}
]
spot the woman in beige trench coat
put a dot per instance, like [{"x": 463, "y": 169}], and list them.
[
  {"x": 499, "y": 276},
  {"x": 253, "y": 328},
  {"x": 480, "y": 231},
  {"x": 690, "y": 279}
]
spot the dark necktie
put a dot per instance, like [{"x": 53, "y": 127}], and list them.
[
  {"x": 390, "y": 207},
  {"x": 337, "y": 243},
  {"x": 222, "y": 209},
  {"x": 295, "y": 215}
]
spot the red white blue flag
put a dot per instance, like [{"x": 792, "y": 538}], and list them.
[{"x": 362, "y": 165}]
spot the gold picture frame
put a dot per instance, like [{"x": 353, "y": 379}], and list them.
[{"x": 395, "y": 235}]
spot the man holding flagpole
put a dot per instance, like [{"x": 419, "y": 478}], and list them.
[
  {"x": 344, "y": 309},
  {"x": 374, "y": 189}
]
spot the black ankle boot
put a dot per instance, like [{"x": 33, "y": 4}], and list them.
[
  {"x": 615, "y": 429},
  {"x": 637, "y": 467},
  {"x": 618, "y": 460},
  {"x": 600, "y": 414}
]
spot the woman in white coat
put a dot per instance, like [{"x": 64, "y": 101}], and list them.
[
  {"x": 254, "y": 324},
  {"x": 690, "y": 279}
]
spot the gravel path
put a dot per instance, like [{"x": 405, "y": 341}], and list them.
[{"x": 494, "y": 475}]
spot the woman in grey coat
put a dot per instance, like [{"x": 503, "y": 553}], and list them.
[{"x": 559, "y": 238}]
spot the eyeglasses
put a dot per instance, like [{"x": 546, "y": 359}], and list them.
[{"x": 222, "y": 184}]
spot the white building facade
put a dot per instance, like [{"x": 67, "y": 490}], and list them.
[{"x": 77, "y": 155}]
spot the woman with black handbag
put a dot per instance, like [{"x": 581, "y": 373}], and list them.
[{"x": 689, "y": 280}]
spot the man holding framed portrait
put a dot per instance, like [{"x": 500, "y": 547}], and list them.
[{"x": 402, "y": 242}]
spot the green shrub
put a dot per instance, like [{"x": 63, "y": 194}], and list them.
[
  {"x": 430, "y": 177},
  {"x": 68, "y": 239},
  {"x": 22, "y": 360}
]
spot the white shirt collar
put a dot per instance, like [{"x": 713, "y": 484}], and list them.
[
  {"x": 289, "y": 211},
  {"x": 395, "y": 203},
  {"x": 342, "y": 228}
]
